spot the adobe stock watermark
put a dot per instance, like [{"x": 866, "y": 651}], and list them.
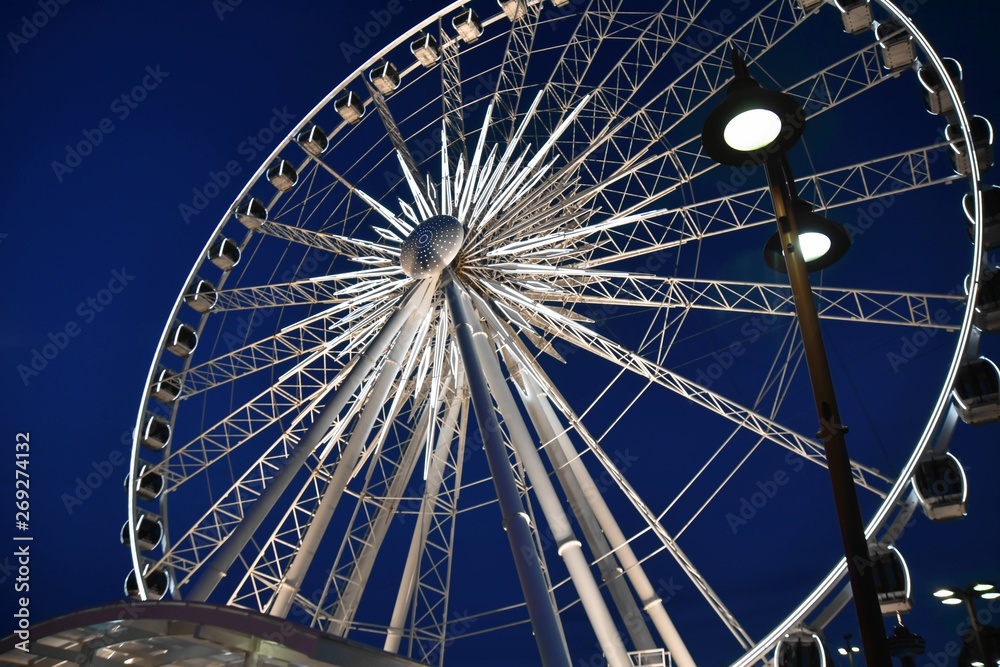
[
  {"x": 911, "y": 344},
  {"x": 32, "y": 23},
  {"x": 87, "y": 311},
  {"x": 767, "y": 489},
  {"x": 121, "y": 108},
  {"x": 312, "y": 265},
  {"x": 424, "y": 147},
  {"x": 95, "y": 476},
  {"x": 364, "y": 33},
  {"x": 248, "y": 149},
  {"x": 223, "y": 7},
  {"x": 692, "y": 48},
  {"x": 724, "y": 360}
]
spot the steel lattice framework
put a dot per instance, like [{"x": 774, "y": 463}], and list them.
[{"x": 323, "y": 436}]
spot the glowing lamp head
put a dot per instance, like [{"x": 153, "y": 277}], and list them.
[
  {"x": 752, "y": 129},
  {"x": 814, "y": 245},
  {"x": 822, "y": 242},
  {"x": 752, "y": 124}
]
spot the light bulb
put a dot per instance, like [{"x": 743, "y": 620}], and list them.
[
  {"x": 752, "y": 129},
  {"x": 813, "y": 245}
]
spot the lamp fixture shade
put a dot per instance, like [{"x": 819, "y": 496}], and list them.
[
  {"x": 752, "y": 124},
  {"x": 822, "y": 242}
]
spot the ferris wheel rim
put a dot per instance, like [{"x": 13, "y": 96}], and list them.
[{"x": 902, "y": 481}]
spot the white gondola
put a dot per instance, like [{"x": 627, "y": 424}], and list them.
[
  {"x": 426, "y": 49},
  {"x": 892, "y": 579},
  {"x": 977, "y": 392},
  {"x": 856, "y": 15},
  {"x": 183, "y": 340},
  {"x": 468, "y": 26},
  {"x": 251, "y": 213},
  {"x": 987, "y": 314},
  {"x": 166, "y": 386},
  {"x": 515, "y": 9},
  {"x": 385, "y": 77},
  {"x": 201, "y": 295},
  {"x": 282, "y": 175},
  {"x": 936, "y": 98},
  {"x": 157, "y": 584},
  {"x": 313, "y": 141},
  {"x": 148, "y": 532},
  {"x": 149, "y": 484},
  {"x": 895, "y": 45},
  {"x": 224, "y": 253},
  {"x": 350, "y": 107},
  {"x": 982, "y": 146},
  {"x": 802, "y": 648},
  {"x": 941, "y": 487},
  {"x": 155, "y": 433},
  {"x": 991, "y": 216}
]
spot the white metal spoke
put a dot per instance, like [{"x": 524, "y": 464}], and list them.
[
  {"x": 356, "y": 249},
  {"x": 636, "y": 290},
  {"x": 573, "y": 332},
  {"x": 736, "y": 210},
  {"x": 538, "y": 197}
]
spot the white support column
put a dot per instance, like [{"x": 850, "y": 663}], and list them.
[
  {"x": 544, "y": 616},
  {"x": 635, "y": 622},
  {"x": 551, "y": 430},
  {"x": 569, "y": 547},
  {"x": 293, "y": 577},
  {"x": 435, "y": 477},
  {"x": 234, "y": 544}
]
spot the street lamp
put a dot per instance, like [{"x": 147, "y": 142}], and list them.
[
  {"x": 757, "y": 126},
  {"x": 848, "y": 650},
  {"x": 956, "y": 596}
]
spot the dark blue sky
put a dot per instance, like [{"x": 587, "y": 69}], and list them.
[{"x": 178, "y": 98}]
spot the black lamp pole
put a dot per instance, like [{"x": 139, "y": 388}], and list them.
[
  {"x": 859, "y": 563},
  {"x": 747, "y": 103}
]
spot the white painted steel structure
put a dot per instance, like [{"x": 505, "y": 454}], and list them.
[{"x": 324, "y": 427}]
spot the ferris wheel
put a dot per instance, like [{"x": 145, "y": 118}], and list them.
[{"x": 486, "y": 347}]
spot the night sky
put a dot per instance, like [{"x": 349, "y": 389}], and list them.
[{"x": 177, "y": 104}]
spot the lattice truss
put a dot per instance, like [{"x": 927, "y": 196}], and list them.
[{"x": 578, "y": 178}]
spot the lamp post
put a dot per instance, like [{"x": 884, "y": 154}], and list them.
[
  {"x": 848, "y": 650},
  {"x": 956, "y": 596},
  {"x": 757, "y": 126}
]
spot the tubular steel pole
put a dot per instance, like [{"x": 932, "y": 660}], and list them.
[
  {"x": 224, "y": 557},
  {"x": 544, "y": 621},
  {"x": 859, "y": 565},
  {"x": 974, "y": 622}
]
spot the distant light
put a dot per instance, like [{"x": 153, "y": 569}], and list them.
[
  {"x": 983, "y": 587},
  {"x": 991, "y": 596},
  {"x": 944, "y": 593},
  {"x": 855, "y": 649},
  {"x": 814, "y": 245},
  {"x": 842, "y": 651},
  {"x": 951, "y": 601},
  {"x": 977, "y": 663},
  {"x": 752, "y": 129}
]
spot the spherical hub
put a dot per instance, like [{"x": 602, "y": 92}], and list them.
[{"x": 432, "y": 246}]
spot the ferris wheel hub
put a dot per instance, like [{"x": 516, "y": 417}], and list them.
[{"x": 432, "y": 246}]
